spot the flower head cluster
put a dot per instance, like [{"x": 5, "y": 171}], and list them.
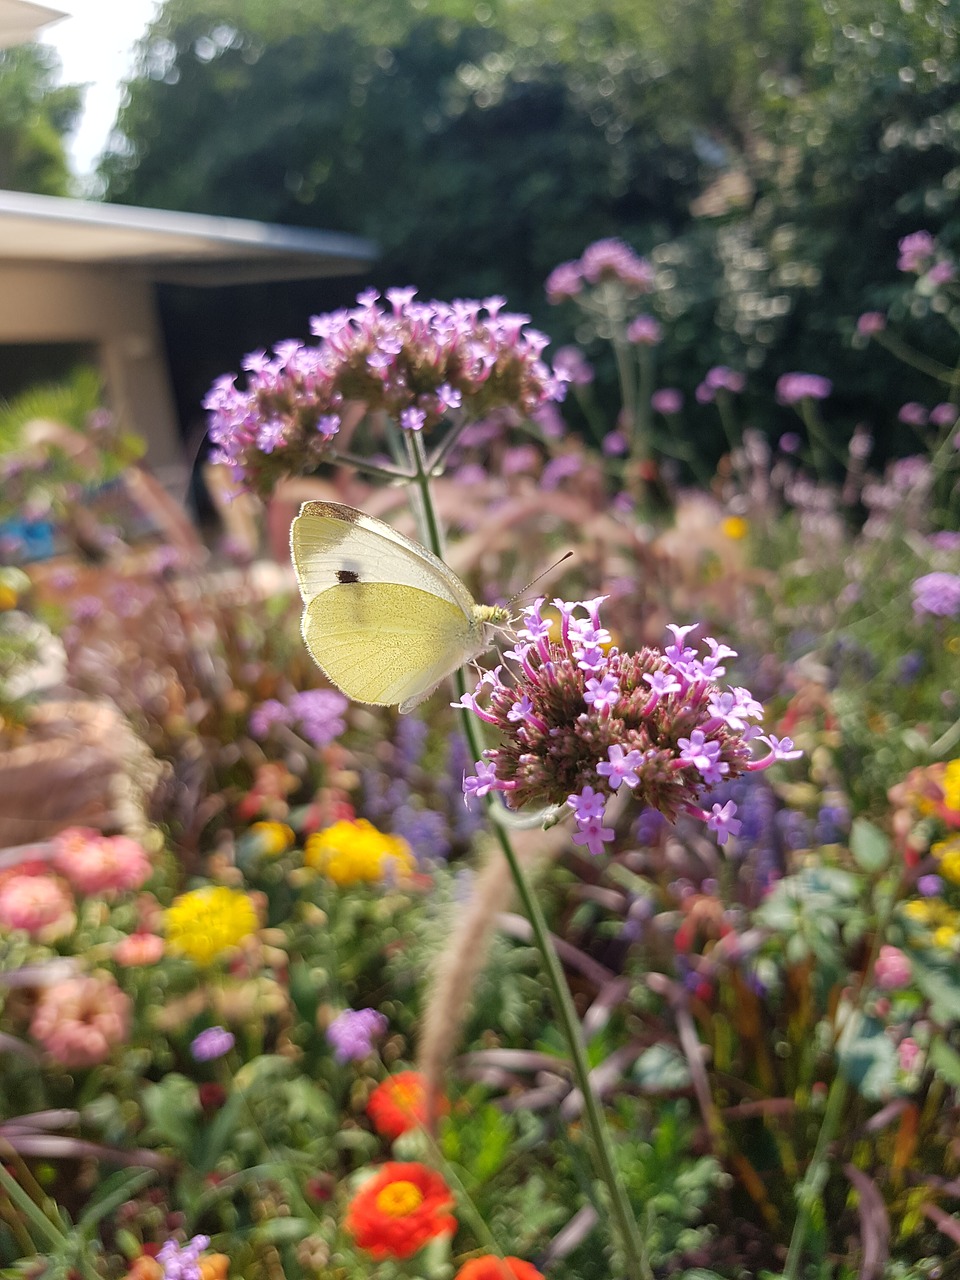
[
  {"x": 205, "y": 923},
  {"x": 417, "y": 361},
  {"x": 397, "y": 1211},
  {"x": 937, "y": 594},
  {"x": 351, "y": 1033},
  {"x": 603, "y": 260},
  {"x": 580, "y": 720},
  {"x": 96, "y": 864},
  {"x": 355, "y": 852},
  {"x": 80, "y": 1020}
]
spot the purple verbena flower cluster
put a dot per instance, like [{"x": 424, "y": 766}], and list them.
[
  {"x": 417, "y": 361},
  {"x": 351, "y": 1033},
  {"x": 182, "y": 1262},
  {"x": 579, "y": 720},
  {"x": 603, "y": 260}
]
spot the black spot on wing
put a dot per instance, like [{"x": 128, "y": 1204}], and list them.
[{"x": 347, "y": 575}]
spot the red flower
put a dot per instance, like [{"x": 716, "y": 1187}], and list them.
[
  {"x": 399, "y": 1209},
  {"x": 400, "y": 1104},
  {"x": 491, "y": 1268}
]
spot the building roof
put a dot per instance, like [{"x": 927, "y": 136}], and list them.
[
  {"x": 20, "y": 21},
  {"x": 172, "y": 248}
]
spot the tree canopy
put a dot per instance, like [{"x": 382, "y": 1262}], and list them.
[
  {"x": 35, "y": 113},
  {"x": 769, "y": 153}
]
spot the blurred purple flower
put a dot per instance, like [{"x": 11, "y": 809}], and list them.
[
  {"x": 667, "y": 400},
  {"x": 937, "y": 594},
  {"x": 351, "y": 1033},
  {"x": 570, "y": 365},
  {"x": 211, "y": 1043},
  {"x": 644, "y": 331},
  {"x": 916, "y": 250},
  {"x": 871, "y": 322},
  {"x": 266, "y": 715},
  {"x": 564, "y": 281},
  {"x": 792, "y": 388},
  {"x": 944, "y": 414},
  {"x": 912, "y": 414}
]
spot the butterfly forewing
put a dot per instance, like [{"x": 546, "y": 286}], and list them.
[{"x": 334, "y": 545}]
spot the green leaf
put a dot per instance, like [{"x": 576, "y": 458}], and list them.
[
  {"x": 868, "y": 1059},
  {"x": 945, "y": 1060},
  {"x": 869, "y": 846}
]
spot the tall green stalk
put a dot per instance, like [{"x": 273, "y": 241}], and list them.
[{"x": 635, "y": 1254}]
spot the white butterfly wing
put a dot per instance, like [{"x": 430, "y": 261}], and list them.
[
  {"x": 384, "y": 619},
  {"x": 332, "y": 544}
]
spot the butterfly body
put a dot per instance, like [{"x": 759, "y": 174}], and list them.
[{"x": 384, "y": 619}]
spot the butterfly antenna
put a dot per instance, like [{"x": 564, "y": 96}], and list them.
[{"x": 533, "y": 582}]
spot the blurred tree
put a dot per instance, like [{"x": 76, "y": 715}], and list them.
[
  {"x": 35, "y": 113},
  {"x": 767, "y": 153}
]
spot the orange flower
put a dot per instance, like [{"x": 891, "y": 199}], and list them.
[
  {"x": 400, "y": 1104},
  {"x": 399, "y": 1209},
  {"x": 491, "y": 1268}
]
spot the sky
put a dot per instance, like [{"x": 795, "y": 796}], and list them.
[{"x": 96, "y": 47}]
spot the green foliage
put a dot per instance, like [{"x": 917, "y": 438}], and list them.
[{"x": 34, "y": 116}]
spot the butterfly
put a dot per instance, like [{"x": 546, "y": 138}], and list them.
[{"x": 384, "y": 619}]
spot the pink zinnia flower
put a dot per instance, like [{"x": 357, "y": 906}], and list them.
[
  {"x": 40, "y": 905},
  {"x": 96, "y": 864},
  {"x": 81, "y": 1020},
  {"x": 138, "y": 949}
]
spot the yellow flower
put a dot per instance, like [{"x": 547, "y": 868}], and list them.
[
  {"x": 735, "y": 527},
  {"x": 948, "y": 852},
  {"x": 204, "y": 923},
  {"x": 273, "y": 838},
  {"x": 945, "y": 936},
  {"x": 357, "y": 853},
  {"x": 951, "y": 785}
]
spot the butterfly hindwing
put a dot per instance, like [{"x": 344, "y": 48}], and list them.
[{"x": 387, "y": 643}]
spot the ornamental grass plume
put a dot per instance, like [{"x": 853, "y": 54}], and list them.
[
  {"x": 578, "y": 720},
  {"x": 397, "y": 1211},
  {"x": 416, "y": 361},
  {"x": 205, "y": 923},
  {"x": 355, "y": 852},
  {"x": 81, "y": 1020}
]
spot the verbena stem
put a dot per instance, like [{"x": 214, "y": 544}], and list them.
[{"x": 637, "y": 1264}]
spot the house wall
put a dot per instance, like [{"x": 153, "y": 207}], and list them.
[{"x": 114, "y": 309}]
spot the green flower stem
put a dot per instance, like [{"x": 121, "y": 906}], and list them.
[
  {"x": 816, "y": 1175},
  {"x": 638, "y": 1267},
  {"x": 897, "y": 347},
  {"x": 392, "y": 474}
]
